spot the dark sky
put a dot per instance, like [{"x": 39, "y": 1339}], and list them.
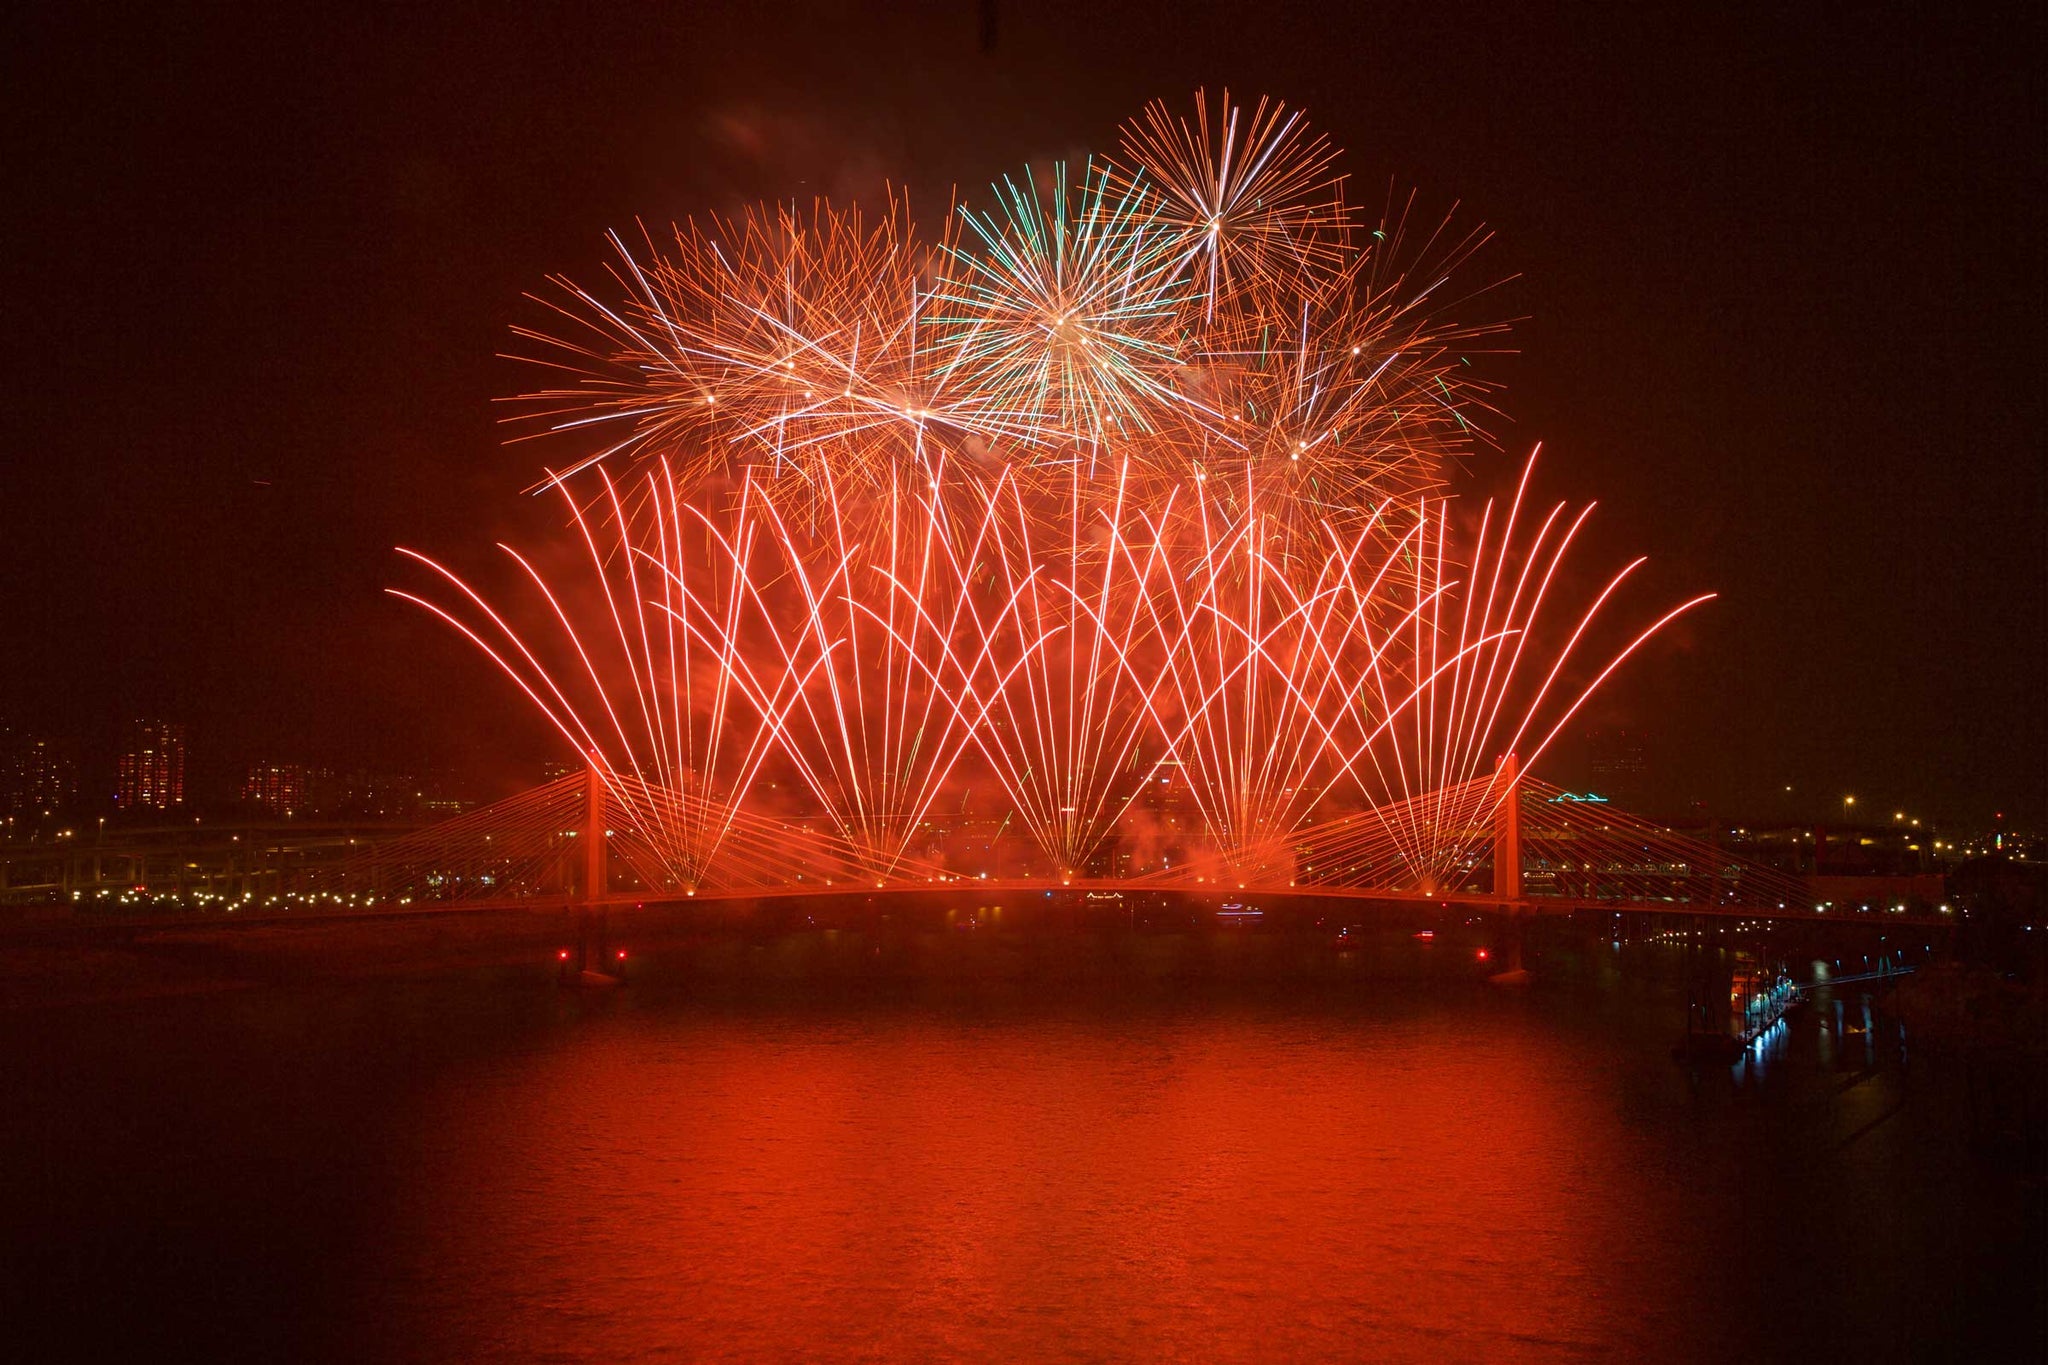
[{"x": 1782, "y": 275}]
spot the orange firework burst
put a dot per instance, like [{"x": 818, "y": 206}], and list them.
[
  {"x": 1204, "y": 302},
  {"x": 1133, "y": 474}
]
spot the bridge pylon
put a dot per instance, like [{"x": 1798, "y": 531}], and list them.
[
  {"x": 1507, "y": 864},
  {"x": 592, "y": 919},
  {"x": 1507, "y": 831},
  {"x": 594, "y": 869}
]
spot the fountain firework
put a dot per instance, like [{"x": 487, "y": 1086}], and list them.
[{"x": 1128, "y": 481}]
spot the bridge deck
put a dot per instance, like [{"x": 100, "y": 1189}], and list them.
[{"x": 1531, "y": 905}]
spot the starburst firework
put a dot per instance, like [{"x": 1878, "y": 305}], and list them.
[{"x": 1135, "y": 473}]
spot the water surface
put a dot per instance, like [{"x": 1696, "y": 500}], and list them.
[{"x": 475, "y": 1166}]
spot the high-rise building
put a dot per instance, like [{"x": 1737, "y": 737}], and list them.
[
  {"x": 151, "y": 771},
  {"x": 37, "y": 774},
  {"x": 279, "y": 788},
  {"x": 290, "y": 789}
]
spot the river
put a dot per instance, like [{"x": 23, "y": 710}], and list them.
[{"x": 474, "y": 1165}]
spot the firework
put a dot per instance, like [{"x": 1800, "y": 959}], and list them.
[
  {"x": 1132, "y": 479},
  {"x": 1250, "y": 203},
  {"x": 744, "y": 659},
  {"x": 778, "y": 345},
  {"x": 1063, "y": 311},
  {"x": 1203, "y": 301}
]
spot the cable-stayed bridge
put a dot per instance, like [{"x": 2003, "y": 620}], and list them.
[{"x": 1501, "y": 842}]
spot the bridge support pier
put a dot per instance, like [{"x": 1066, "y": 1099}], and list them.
[
  {"x": 1512, "y": 971},
  {"x": 593, "y": 918},
  {"x": 593, "y": 938},
  {"x": 1507, "y": 870}
]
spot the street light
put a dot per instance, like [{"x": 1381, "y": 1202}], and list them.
[{"x": 1847, "y": 802}]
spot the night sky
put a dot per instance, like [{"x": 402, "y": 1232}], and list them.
[{"x": 1783, "y": 292}]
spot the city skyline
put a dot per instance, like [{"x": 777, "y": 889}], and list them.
[
  {"x": 976, "y": 681},
  {"x": 32, "y": 765},
  {"x": 1856, "y": 647}
]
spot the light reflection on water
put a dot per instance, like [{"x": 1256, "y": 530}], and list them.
[{"x": 479, "y": 1168}]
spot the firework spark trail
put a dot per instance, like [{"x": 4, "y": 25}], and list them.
[
  {"x": 1269, "y": 657},
  {"x": 1064, "y": 308},
  {"x": 1468, "y": 679},
  {"x": 1274, "y": 675},
  {"x": 776, "y": 343},
  {"x": 1222, "y": 637},
  {"x": 1252, "y": 202},
  {"x": 1070, "y": 716},
  {"x": 1139, "y": 304},
  {"x": 646, "y": 731},
  {"x": 859, "y": 723},
  {"x": 1136, "y": 468}
]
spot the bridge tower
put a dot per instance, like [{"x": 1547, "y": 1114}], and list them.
[
  {"x": 592, "y": 920},
  {"x": 1507, "y": 830},
  {"x": 593, "y": 834},
  {"x": 1507, "y": 864}
]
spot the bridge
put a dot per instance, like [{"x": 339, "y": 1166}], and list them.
[
  {"x": 1501, "y": 843},
  {"x": 594, "y": 842},
  {"x": 186, "y": 860}
]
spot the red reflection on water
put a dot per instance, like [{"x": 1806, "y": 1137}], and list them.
[{"x": 1228, "y": 1187}]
